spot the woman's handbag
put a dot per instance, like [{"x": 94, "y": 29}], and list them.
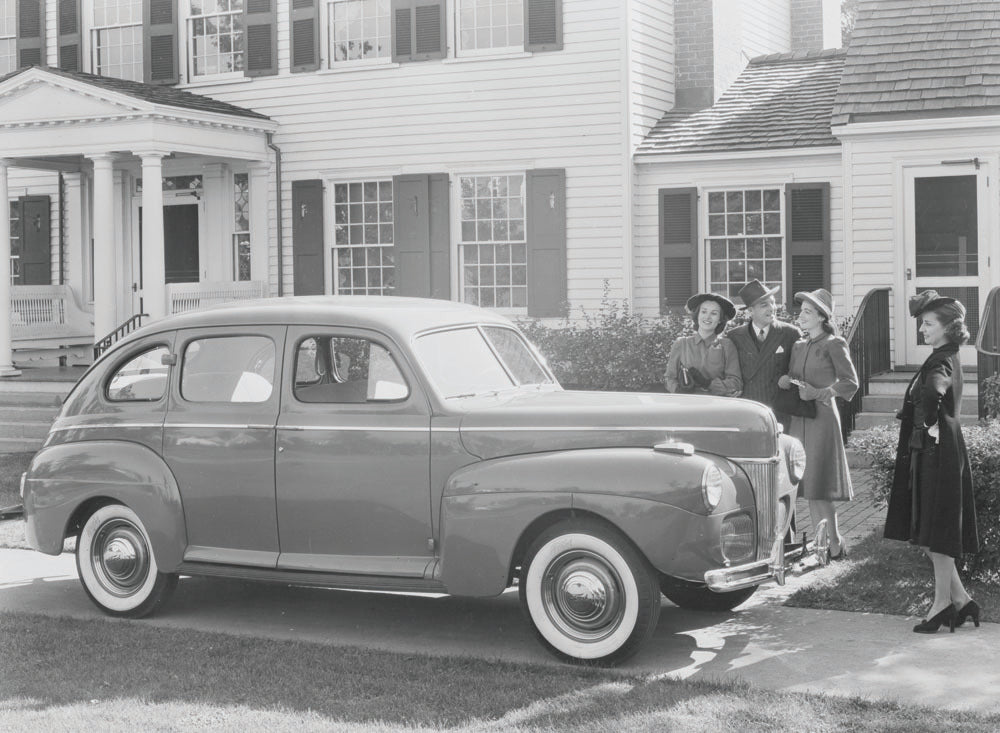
[
  {"x": 789, "y": 402},
  {"x": 684, "y": 381}
]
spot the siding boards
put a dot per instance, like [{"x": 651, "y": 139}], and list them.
[{"x": 652, "y": 66}]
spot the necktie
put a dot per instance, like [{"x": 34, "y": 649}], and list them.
[{"x": 760, "y": 335}]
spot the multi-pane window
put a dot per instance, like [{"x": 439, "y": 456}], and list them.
[
  {"x": 493, "y": 249},
  {"x": 241, "y": 226},
  {"x": 15, "y": 242},
  {"x": 116, "y": 39},
  {"x": 215, "y": 36},
  {"x": 744, "y": 238},
  {"x": 363, "y": 237},
  {"x": 359, "y": 30},
  {"x": 8, "y": 36},
  {"x": 490, "y": 24}
]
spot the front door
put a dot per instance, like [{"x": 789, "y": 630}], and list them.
[
  {"x": 181, "y": 260},
  {"x": 947, "y": 244}
]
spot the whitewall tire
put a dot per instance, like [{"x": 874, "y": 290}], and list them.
[
  {"x": 116, "y": 564},
  {"x": 590, "y": 595}
]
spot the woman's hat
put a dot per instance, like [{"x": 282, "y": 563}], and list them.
[
  {"x": 820, "y": 298},
  {"x": 728, "y": 308},
  {"x": 930, "y": 300},
  {"x": 755, "y": 290}
]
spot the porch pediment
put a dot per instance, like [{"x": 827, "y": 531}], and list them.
[{"x": 45, "y": 101}]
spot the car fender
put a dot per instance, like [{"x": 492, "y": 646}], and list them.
[
  {"x": 650, "y": 497},
  {"x": 63, "y": 478}
]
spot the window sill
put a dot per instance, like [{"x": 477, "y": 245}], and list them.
[
  {"x": 348, "y": 68},
  {"x": 488, "y": 57},
  {"x": 216, "y": 81}
]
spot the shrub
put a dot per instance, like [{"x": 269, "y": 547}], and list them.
[
  {"x": 990, "y": 390},
  {"x": 982, "y": 441},
  {"x": 613, "y": 349}
]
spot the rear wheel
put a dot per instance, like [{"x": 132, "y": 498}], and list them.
[
  {"x": 696, "y": 597},
  {"x": 589, "y": 594},
  {"x": 116, "y": 564}
]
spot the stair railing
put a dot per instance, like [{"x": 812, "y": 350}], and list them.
[
  {"x": 119, "y": 333},
  {"x": 868, "y": 342},
  {"x": 988, "y": 345}
]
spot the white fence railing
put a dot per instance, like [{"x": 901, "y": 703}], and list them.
[
  {"x": 188, "y": 296},
  {"x": 40, "y": 312}
]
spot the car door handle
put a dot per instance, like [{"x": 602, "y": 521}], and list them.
[{"x": 281, "y": 449}]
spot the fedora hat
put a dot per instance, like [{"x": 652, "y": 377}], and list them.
[
  {"x": 695, "y": 301},
  {"x": 927, "y": 301},
  {"x": 755, "y": 290},
  {"x": 820, "y": 298}
]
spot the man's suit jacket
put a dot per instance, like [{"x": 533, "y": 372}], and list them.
[{"x": 762, "y": 364}]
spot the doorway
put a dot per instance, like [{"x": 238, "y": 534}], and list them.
[{"x": 181, "y": 259}]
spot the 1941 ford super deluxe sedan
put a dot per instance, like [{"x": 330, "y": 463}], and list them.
[{"x": 407, "y": 445}]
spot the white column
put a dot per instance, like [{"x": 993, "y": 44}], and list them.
[
  {"x": 154, "y": 289},
  {"x": 104, "y": 246},
  {"x": 215, "y": 260},
  {"x": 260, "y": 183},
  {"x": 76, "y": 238},
  {"x": 6, "y": 355}
]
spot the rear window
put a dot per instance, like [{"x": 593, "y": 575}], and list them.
[
  {"x": 228, "y": 369},
  {"x": 142, "y": 378}
]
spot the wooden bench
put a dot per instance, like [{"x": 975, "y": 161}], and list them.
[{"x": 48, "y": 323}]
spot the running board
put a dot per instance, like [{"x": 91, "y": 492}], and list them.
[{"x": 309, "y": 578}]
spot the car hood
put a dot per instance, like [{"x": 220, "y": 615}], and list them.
[{"x": 531, "y": 422}]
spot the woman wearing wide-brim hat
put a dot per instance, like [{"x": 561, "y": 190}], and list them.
[
  {"x": 706, "y": 361},
  {"x": 821, "y": 367},
  {"x": 932, "y": 504}
]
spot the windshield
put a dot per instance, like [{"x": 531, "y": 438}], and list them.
[{"x": 468, "y": 361}]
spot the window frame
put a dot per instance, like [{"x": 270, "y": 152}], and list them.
[
  {"x": 193, "y": 338},
  {"x": 508, "y": 50},
  {"x": 133, "y": 354},
  {"x": 326, "y": 42},
  {"x": 185, "y": 47},
  {"x": 12, "y": 38},
  {"x": 320, "y": 332},
  {"x": 89, "y": 30},
  {"x": 332, "y": 255}
]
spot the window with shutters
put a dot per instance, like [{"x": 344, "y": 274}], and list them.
[
  {"x": 745, "y": 238},
  {"x": 8, "y": 36},
  {"x": 493, "y": 250},
  {"x": 490, "y": 26},
  {"x": 215, "y": 37},
  {"x": 359, "y": 31},
  {"x": 116, "y": 39},
  {"x": 363, "y": 237},
  {"x": 241, "y": 226}
]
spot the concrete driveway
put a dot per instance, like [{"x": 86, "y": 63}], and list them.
[{"x": 764, "y": 643}]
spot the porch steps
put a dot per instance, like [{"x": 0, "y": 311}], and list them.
[
  {"x": 29, "y": 404},
  {"x": 885, "y": 396}
]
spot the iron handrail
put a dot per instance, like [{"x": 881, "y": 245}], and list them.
[
  {"x": 988, "y": 346},
  {"x": 123, "y": 330},
  {"x": 868, "y": 343}
]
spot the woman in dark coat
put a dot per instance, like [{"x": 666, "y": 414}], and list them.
[{"x": 932, "y": 504}]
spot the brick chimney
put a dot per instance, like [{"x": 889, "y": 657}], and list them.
[
  {"x": 694, "y": 85},
  {"x": 807, "y": 25}
]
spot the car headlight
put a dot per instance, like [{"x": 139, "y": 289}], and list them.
[
  {"x": 711, "y": 486},
  {"x": 796, "y": 461}
]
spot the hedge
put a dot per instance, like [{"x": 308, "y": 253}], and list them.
[{"x": 982, "y": 441}]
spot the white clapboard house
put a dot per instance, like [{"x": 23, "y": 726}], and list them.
[{"x": 159, "y": 155}]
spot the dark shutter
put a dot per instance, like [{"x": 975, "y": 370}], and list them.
[
  {"x": 304, "y": 24},
  {"x": 545, "y": 193},
  {"x": 807, "y": 232},
  {"x": 307, "y": 237},
  {"x": 543, "y": 25},
  {"x": 422, "y": 235},
  {"x": 159, "y": 51},
  {"x": 678, "y": 246},
  {"x": 31, "y": 33},
  {"x": 260, "y": 27},
  {"x": 440, "y": 236},
  {"x": 36, "y": 240},
  {"x": 70, "y": 58},
  {"x": 418, "y": 30}
]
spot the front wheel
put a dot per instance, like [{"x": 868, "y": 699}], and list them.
[
  {"x": 695, "y": 597},
  {"x": 116, "y": 564},
  {"x": 589, "y": 594}
]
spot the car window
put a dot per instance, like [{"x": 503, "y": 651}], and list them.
[
  {"x": 344, "y": 369},
  {"x": 460, "y": 363},
  {"x": 517, "y": 355},
  {"x": 143, "y": 378},
  {"x": 228, "y": 369}
]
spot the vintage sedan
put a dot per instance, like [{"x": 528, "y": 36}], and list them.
[{"x": 406, "y": 445}]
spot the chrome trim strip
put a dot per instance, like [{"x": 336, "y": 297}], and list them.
[
  {"x": 371, "y": 428},
  {"x": 216, "y": 426},
  {"x": 575, "y": 428},
  {"x": 83, "y": 426}
]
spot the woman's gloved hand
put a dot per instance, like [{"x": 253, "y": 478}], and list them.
[
  {"x": 785, "y": 382},
  {"x": 820, "y": 394}
]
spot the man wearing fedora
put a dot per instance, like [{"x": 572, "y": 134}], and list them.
[{"x": 764, "y": 345}]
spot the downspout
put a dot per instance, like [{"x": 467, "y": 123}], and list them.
[
  {"x": 277, "y": 207},
  {"x": 62, "y": 229}
]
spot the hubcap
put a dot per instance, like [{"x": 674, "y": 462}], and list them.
[
  {"x": 583, "y": 596},
  {"x": 120, "y": 557}
]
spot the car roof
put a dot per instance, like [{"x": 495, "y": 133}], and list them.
[{"x": 400, "y": 317}]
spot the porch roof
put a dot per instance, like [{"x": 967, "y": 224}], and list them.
[
  {"x": 921, "y": 59},
  {"x": 778, "y": 101}
]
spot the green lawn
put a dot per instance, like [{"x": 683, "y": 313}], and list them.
[
  {"x": 66, "y": 674},
  {"x": 883, "y": 576}
]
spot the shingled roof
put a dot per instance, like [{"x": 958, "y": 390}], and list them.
[
  {"x": 154, "y": 93},
  {"x": 921, "y": 58},
  {"x": 778, "y": 101}
]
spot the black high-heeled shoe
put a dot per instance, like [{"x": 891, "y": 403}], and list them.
[
  {"x": 842, "y": 555},
  {"x": 969, "y": 610},
  {"x": 931, "y": 625}
]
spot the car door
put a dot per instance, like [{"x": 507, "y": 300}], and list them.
[
  {"x": 218, "y": 440},
  {"x": 353, "y": 455}
]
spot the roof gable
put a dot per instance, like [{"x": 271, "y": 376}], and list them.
[
  {"x": 778, "y": 101},
  {"x": 921, "y": 58},
  {"x": 31, "y": 99}
]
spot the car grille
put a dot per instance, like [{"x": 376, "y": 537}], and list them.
[{"x": 763, "y": 477}]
